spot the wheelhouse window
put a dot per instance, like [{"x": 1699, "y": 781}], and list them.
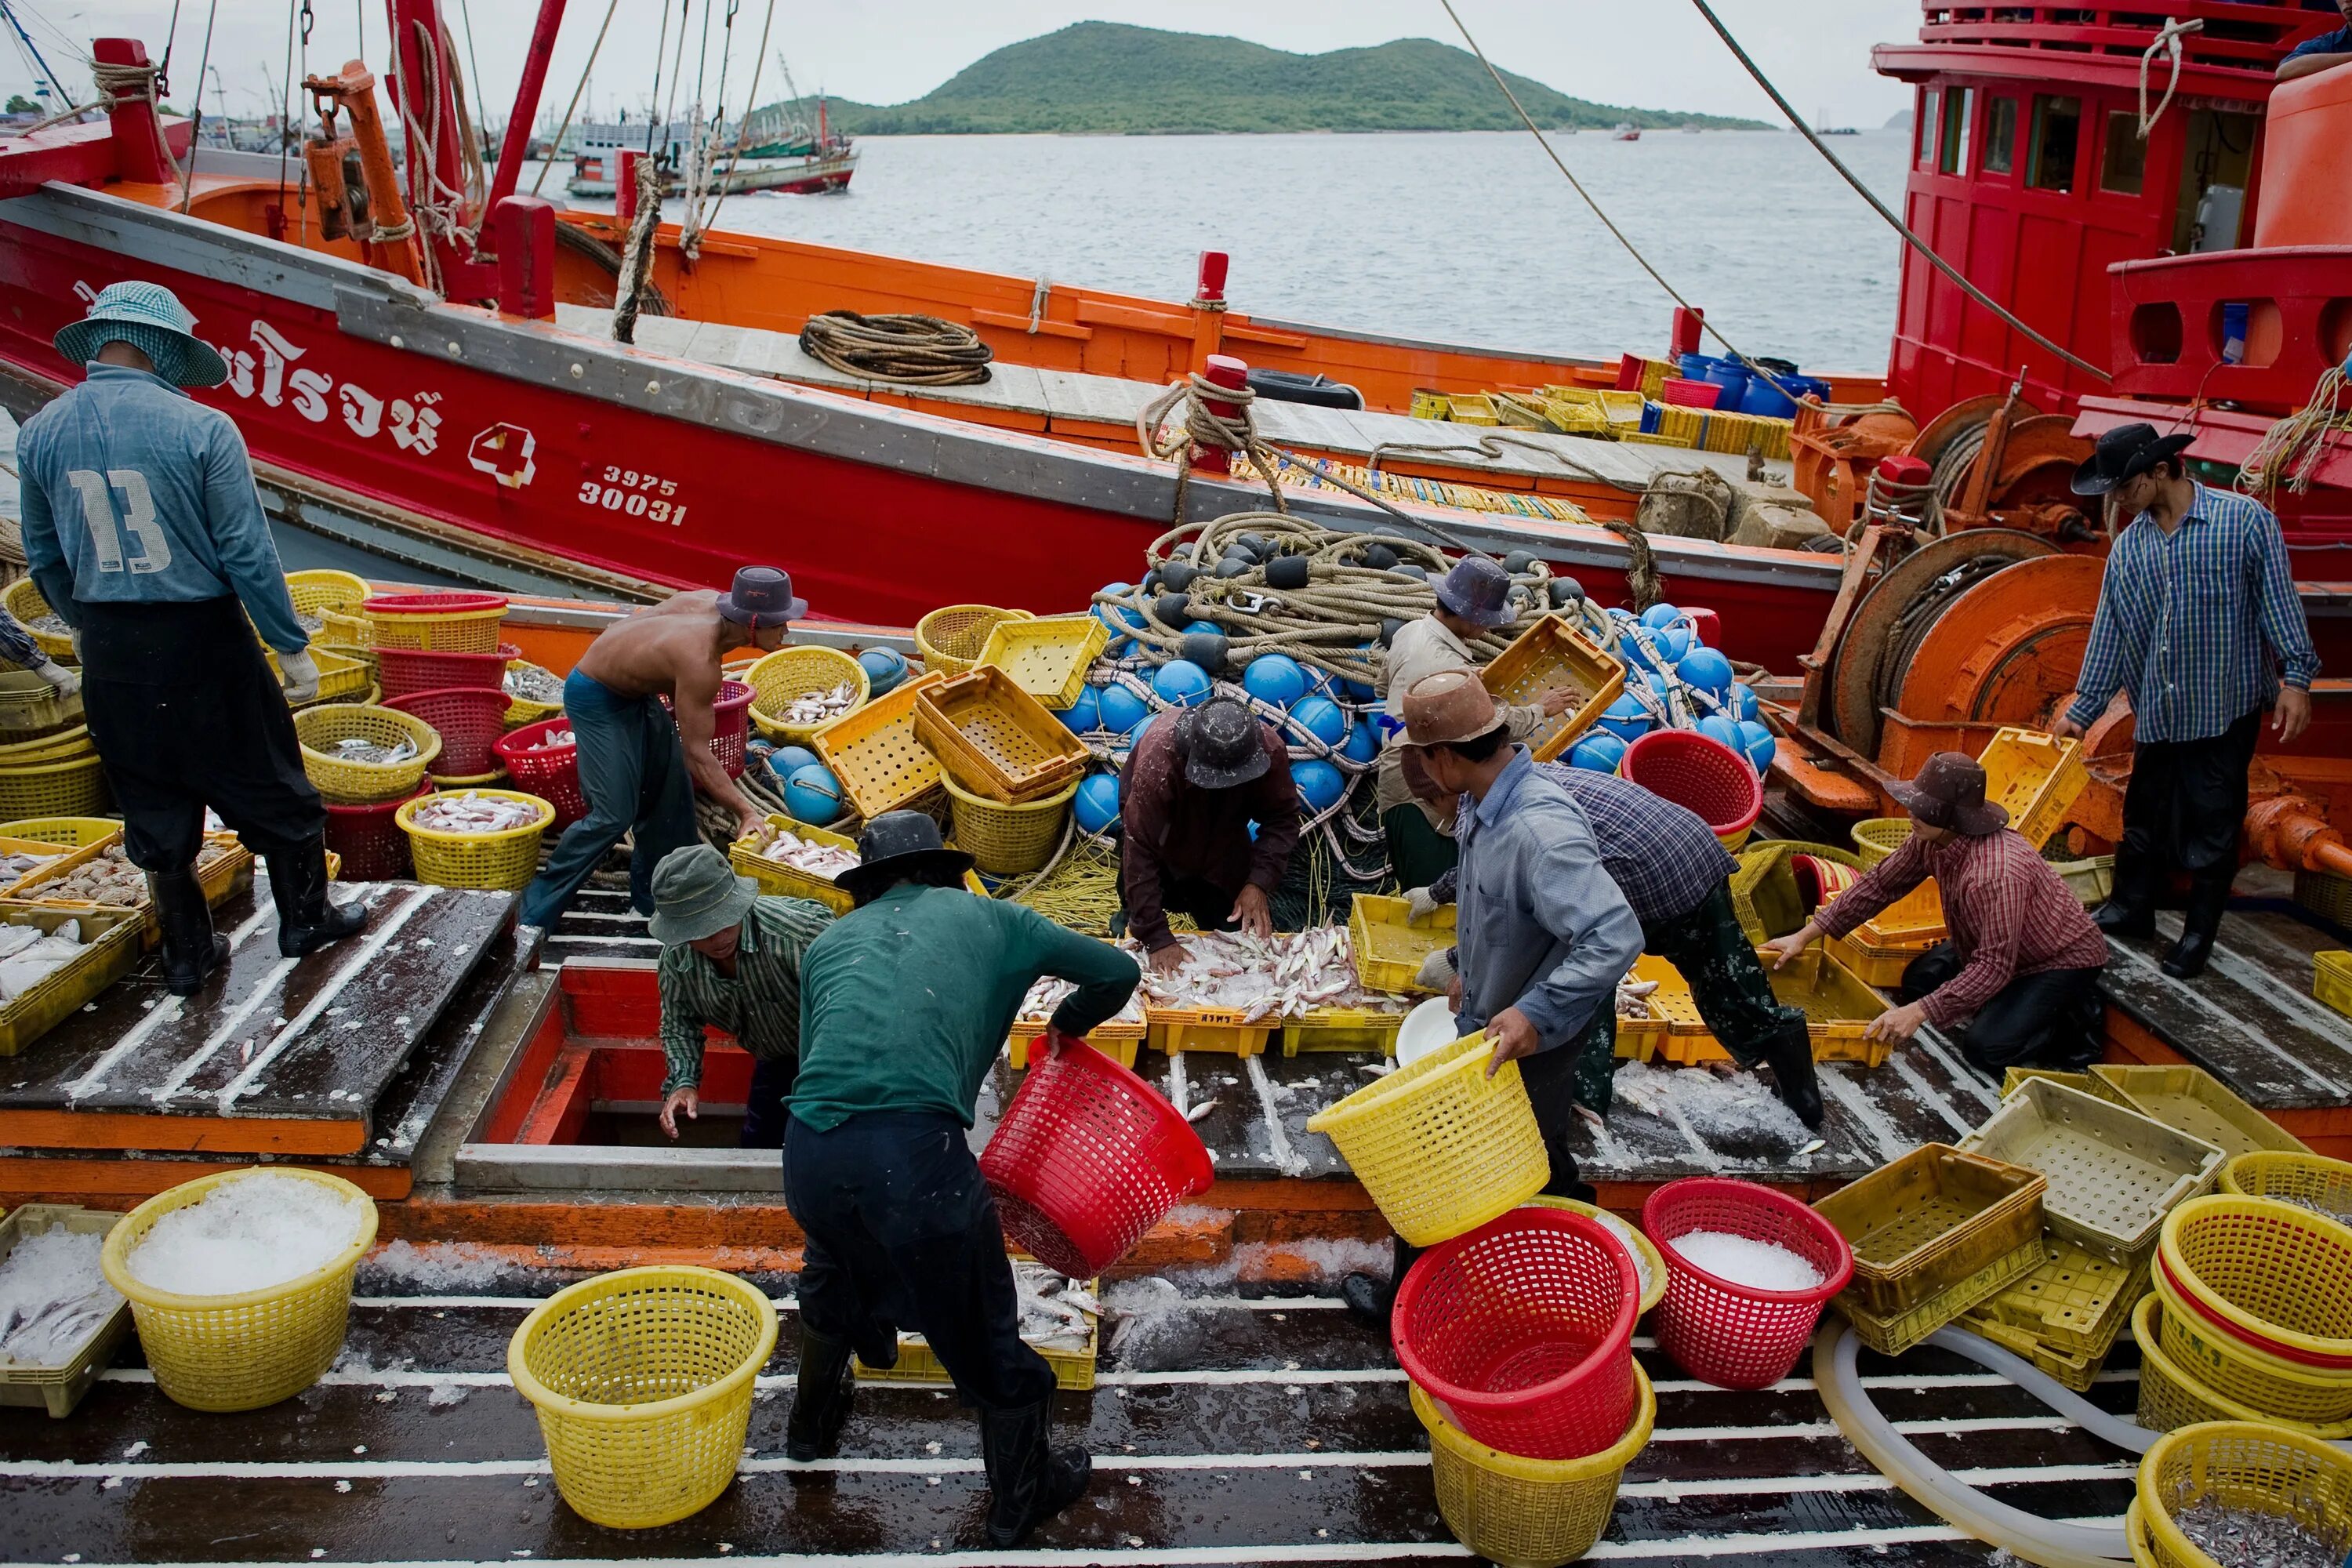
[
  {"x": 2123, "y": 163},
  {"x": 1930, "y": 104},
  {"x": 1959, "y": 110},
  {"x": 2000, "y": 136},
  {"x": 2057, "y": 136}
]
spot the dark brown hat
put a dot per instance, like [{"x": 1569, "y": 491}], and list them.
[
  {"x": 1950, "y": 792},
  {"x": 1447, "y": 706},
  {"x": 2123, "y": 454},
  {"x": 1222, "y": 746}
]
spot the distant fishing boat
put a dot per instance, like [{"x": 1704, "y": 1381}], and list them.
[
  {"x": 807, "y": 164},
  {"x": 1627, "y": 133}
]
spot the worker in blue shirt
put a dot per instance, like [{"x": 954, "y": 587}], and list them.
[
  {"x": 2324, "y": 52},
  {"x": 2199, "y": 625},
  {"x": 144, "y": 531}
]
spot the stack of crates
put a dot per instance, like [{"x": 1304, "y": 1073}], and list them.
[
  {"x": 2066, "y": 1315},
  {"x": 1712, "y": 430},
  {"x": 1934, "y": 1234}
]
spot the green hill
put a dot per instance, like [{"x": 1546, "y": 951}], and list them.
[{"x": 1104, "y": 78}]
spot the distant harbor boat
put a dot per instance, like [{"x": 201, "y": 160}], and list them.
[
  {"x": 781, "y": 153},
  {"x": 1627, "y": 133}
]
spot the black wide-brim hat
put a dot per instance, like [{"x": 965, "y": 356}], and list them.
[
  {"x": 896, "y": 844},
  {"x": 2124, "y": 454}
]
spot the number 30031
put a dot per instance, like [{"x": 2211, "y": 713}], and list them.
[{"x": 634, "y": 494}]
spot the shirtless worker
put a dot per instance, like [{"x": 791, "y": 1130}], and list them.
[{"x": 639, "y": 771}]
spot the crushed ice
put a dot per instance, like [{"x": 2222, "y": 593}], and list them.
[
  {"x": 1759, "y": 1265},
  {"x": 1739, "y": 1115},
  {"x": 53, "y": 1296},
  {"x": 247, "y": 1235}
]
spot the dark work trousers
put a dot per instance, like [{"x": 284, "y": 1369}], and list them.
[
  {"x": 185, "y": 714},
  {"x": 763, "y": 1107},
  {"x": 1418, "y": 853},
  {"x": 902, "y": 1230},
  {"x": 2182, "y": 811},
  {"x": 1728, "y": 982},
  {"x": 2050, "y": 1019},
  {"x": 632, "y": 774}
]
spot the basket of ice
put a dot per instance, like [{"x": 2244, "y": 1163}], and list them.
[
  {"x": 241, "y": 1283},
  {"x": 59, "y": 1319}
]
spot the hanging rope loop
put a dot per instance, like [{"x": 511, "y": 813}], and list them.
[{"x": 2168, "y": 39}]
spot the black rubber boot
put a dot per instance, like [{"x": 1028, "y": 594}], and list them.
[
  {"x": 2130, "y": 909},
  {"x": 307, "y": 919},
  {"x": 193, "y": 950},
  {"x": 822, "y": 1404},
  {"x": 876, "y": 1343},
  {"x": 1791, "y": 1057},
  {"x": 1372, "y": 1300},
  {"x": 1028, "y": 1480},
  {"x": 2208, "y": 897}
]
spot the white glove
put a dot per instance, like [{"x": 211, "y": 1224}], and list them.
[
  {"x": 1436, "y": 970},
  {"x": 63, "y": 681},
  {"x": 1421, "y": 903},
  {"x": 301, "y": 676}
]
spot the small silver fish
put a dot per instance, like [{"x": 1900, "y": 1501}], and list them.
[{"x": 1197, "y": 1112}]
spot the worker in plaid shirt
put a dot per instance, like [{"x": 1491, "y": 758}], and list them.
[{"x": 2199, "y": 624}]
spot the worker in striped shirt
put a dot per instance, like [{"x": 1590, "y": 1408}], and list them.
[
  {"x": 730, "y": 960},
  {"x": 2200, "y": 625}
]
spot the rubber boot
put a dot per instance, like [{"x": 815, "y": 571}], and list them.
[
  {"x": 307, "y": 919},
  {"x": 1790, "y": 1055},
  {"x": 1372, "y": 1300},
  {"x": 876, "y": 1343},
  {"x": 1029, "y": 1481},
  {"x": 2130, "y": 909},
  {"x": 193, "y": 950},
  {"x": 2208, "y": 896},
  {"x": 822, "y": 1404}
]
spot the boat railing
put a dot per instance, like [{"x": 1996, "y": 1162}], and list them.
[{"x": 2235, "y": 34}]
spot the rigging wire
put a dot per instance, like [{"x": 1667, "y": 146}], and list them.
[
  {"x": 298, "y": 12},
  {"x": 163, "y": 72},
  {"x": 743, "y": 127},
  {"x": 555, "y": 147},
  {"x": 196, "y": 124},
  {"x": 1867, "y": 195},
  {"x": 661, "y": 49},
  {"x": 474, "y": 69}
]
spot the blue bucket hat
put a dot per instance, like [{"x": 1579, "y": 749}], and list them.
[
  {"x": 1479, "y": 591},
  {"x": 150, "y": 318}
]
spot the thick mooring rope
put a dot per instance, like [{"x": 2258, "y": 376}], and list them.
[{"x": 921, "y": 351}]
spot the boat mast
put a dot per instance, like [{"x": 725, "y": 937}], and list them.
[{"x": 525, "y": 102}]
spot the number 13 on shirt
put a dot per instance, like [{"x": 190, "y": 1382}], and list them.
[{"x": 97, "y": 492}]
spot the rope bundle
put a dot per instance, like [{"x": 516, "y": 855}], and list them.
[
  {"x": 922, "y": 351},
  {"x": 2292, "y": 451}
]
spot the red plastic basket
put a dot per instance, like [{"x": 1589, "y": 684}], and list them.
[
  {"x": 405, "y": 671},
  {"x": 1522, "y": 1329},
  {"x": 372, "y": 844},
  {"x": 730, "y": 732},
  {"x": 1732, "y": 1335},
  {"x": 1705, "y": 775},
  {"x": 1087, "y": 1158},
  {"x": 468, "y": 719},
  {"x": 551, "y": 773},
  {"x": 1685, "y": 394}
]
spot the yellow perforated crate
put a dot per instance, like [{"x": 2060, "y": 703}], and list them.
[
  {"x": 875, "y": 754},
  {"x": 791, "y": 882},
  {"x": 58, "y": 1386},
  {"x": 1390, "y": 946},
  {"x": 113, "y": 938},
  {"x": 1047, "y": 658},
  {"x": 1933, "y": 1219},
  {"x": 1220, "y": 1031},
  {"x": 2074, "y": 1302},
  {"x": 1342, "y": 1029},
  {"x": 1837, "y": 1006},
  {"x": 997, "y": 740},
  {"x": 2331, "y": 979},
  {"x": 1548, "y": 655},
  {"x": 1118, "y": 1041},
  {"x": 2198, "y": 1103},
  {"x": 2113, "y": 1173},
  {"x": 1892, "y": 1333},
  {"x": 1073, "y": 1370},
  {"x": 2036, "y": 776}
]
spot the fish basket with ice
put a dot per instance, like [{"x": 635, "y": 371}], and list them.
[
  {"x": 1516, "y": 1512},
  {"x": 542, "y": 758},
  {"x": 1060, "y": 1319},
  {"x": 2225, "y": 1493},
  {"x": 1440, "y": 1147},
  {"x": 1522, "y": 1332},
  {"x": 1086, "y": 1158},
  {"x": 53, "y": 960},
  {"x": 1749, "y": 1271},
  {"x": 795, "y": 689},
  {"x": 59, "y": 1319},
  {"x": 2258, "y": 1303},
  {"x": 476, "y": 838},
  {"x": 241, "y": 1283},
  {"x": 534, "y": 692},
  {"x": 358, "y": 753},
  {"x": 642, "y": 1382}
]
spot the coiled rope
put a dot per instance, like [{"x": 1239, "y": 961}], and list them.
[
  {"x": 921, "y": 351},
  {"x": 2291, "y": 451}
]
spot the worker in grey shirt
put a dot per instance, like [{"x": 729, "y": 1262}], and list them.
[{"x": 1543, "y": 933}]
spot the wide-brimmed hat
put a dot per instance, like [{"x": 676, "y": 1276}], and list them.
[
  {"x": 897, "y": 845},
  {"x": 761, "y": 596},
  {"x": 150, "y": 318},
  {"x": 1221, "y": 745},
  {"x": 1479, "y": 591},
  {"x": 696, "y": 894},
  {"x": 1950, "y": 793},
  {"x": 1447, "y": 706},
  {"x": 2124, "y": 454}
]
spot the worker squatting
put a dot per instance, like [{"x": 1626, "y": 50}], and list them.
[{"x": 872, "y": 1033}]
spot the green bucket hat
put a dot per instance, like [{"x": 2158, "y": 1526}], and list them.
[
  {"x": 150, "y": 318},
  {"x": 696, "y": 894}
]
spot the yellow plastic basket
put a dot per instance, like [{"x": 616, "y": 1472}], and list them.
[
  {"x": 1440, "y": 1147},
  {"x": 2312, "y": 1181},
  {"x": 30, "y": 707},
  {"x": 2170, "y": 1396},
  {"x": 951, "y": 637},
  {"x": 642, "y": 1382},
  {"x": 243, "y": 1352},
  {"x": 1876, "y": 837},
  {"x": 2036, "y": 776},
  {"x": 335, "y": 598},
  {"x": 467, "y": 622},
  {"x": 522, "y": 710},
  {"x": 874, "y": 753},
  {"x": 790, "y": 672},
  {"x": 1007, "y": 840},
  {"x": 75, "y": 787},
  {"x": 2272, "y": 1272},
  {"x": 62, "y": 746},
  {"x": 1046, "y": 658},
  {"x": 2243, "y": 1465},
  {"x": 504, "y": 861},
  {"x": 77, "y": 831},
  {"x": 23, "y": 600},
  {"x": 363, "y": 784},
  {"x": 1515, "y": 1511}
]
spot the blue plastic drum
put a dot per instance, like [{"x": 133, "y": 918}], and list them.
[
  {"x": 1084, "y": 715},
  {"x": 814, "y": 796},
  {"x": 1275, "y": 677},
  {"x": 1096, "y": 806},
  {"x": 1320, "y": 784}
]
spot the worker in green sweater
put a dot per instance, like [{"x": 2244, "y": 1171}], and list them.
[{"x": 904, "y": 1003}]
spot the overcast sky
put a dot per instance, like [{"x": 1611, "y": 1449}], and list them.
[{"x": 1651, "y": 53}]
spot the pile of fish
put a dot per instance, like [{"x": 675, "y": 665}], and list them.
[
  {"x": 24, "y": 863},
  {"x": 811, "y": 708},
  {"x": 1056, "y": 1314},
  {"x": 533, "y": 684},
  {"x": 553, "y": 740},
  {"x": 360, "y": 749},
  {"x": 2245, "y": 1538},
  {"x": 108, "y": 878},
  {"x": 313, "y": 625},
  {"x": 52, "y": 623},
  {"x": 1048, "y": 993},
  {"x": 1281, "y": 976},
  {"x": 472, "y": 812},
  {"x": 53, "y": 1296},
  {"x": 27, "y": 956},
  {"x": 786, "y": 848}
]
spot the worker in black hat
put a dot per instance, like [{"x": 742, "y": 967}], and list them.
[
  {"x": 1191, "y": 790},
  {"x": 2201, "y": 626},
  {"x": 638, "y": 770},
  {"x": 904, "y": 1003}
]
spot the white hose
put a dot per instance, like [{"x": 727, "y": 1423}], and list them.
[{"x": 2119, "y": 1430}]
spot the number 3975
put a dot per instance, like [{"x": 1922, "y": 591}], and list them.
[{"x": 634, "y": 494}]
